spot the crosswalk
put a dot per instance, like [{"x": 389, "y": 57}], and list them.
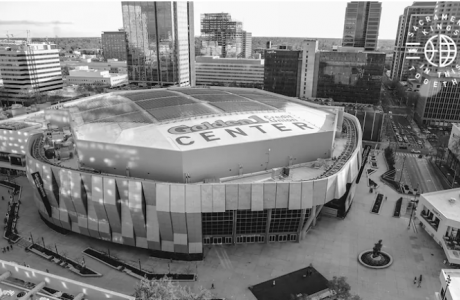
[{"x": 406, "y": 154}]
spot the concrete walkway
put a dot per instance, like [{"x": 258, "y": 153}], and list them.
[{"x": 332, "y": 247}]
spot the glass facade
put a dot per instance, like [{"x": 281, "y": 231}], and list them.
[
  {"x": 438, "y": 104},
  {"x": 223, "y": 37},
  {"x": 282, "y": 72},
  {"x": 160, "y": 38},
  {"x": 362, "y": 21},
  {"x": 350, "y": 77},
  {"x": 114, "y": 45}
]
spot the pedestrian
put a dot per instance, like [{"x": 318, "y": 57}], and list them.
[
  {"x": 415, "y": 280},
  {"x": 3, "y": 198},
  {"x": 420, "y": 280},
  {"x": 11, "y": 247},
  {"x": 212, "y": 286},
  {"x": 47, "y": 271}
]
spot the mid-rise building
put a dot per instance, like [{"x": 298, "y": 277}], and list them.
[
  {"x": 212, "y": 70},
  {"x": 112, "y": 65},
  {"x": 439, "y": 214},
  {"x": 450, "y": 285},
  {"x": 85, "y": 75},
  {"x": 408, "y": 41},
  {"x": 224, "y": 37},
  {"x": 291, "y": 72},
  {"x": 362, "y": 22},
  {"x": 114, "y": 44},
  {"x": 28, "y": 69},
  {"x": 439, "y": 100},
  {"x": 354, "y": 77},
  {"x": 160, "y": 37}
]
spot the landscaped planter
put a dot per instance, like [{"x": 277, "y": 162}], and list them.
[
  {"x": 73, "y": 265},
  {"x": 133, "y": 271},
  {"x": 383, "y": 260},
  {"x": 377, "y": 204},
  {"x": 397, "y": 212}
]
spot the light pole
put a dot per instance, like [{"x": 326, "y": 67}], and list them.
[{"x": 447, "y": 287}]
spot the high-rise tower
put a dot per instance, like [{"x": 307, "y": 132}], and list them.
[
  {"x": 411, "y": 17},
  {"x": 362, "y": 21},
  {"x": 160, "y": 43},
  {"x": 224, "y": 37}
]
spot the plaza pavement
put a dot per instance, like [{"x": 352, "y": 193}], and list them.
[{"x": 332, "y": 247}]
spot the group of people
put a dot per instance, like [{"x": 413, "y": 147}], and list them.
[{"x": 7, "y": 248}]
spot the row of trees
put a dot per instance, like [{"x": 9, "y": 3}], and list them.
[
  {"x": 165, "y": 289},
  {"x": 400, "y": 91}
]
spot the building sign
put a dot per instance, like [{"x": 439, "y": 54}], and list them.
[
  {"x": 41, "y": 191},
  {"x": 440, "y": 51},
  {"x": 240, "y": 128}
]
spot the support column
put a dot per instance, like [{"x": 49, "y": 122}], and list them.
[
  {"x": 5, "y": 276},
  {"x": 313, "y": 214},
  {"x": 234, "y": 227},
  {"x": 299, "y": 229},
  {"x": 79, "y": 296},
  {"x": 267, "y": 226},
  {"x": 33, "y": 291}
]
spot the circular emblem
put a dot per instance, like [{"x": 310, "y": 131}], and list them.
[{"x": 440, "y": 50}]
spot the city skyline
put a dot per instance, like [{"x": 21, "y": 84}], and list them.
[{"x": 77, "y": 19}]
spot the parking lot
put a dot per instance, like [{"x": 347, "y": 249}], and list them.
[{"x": 403, "y": 134}]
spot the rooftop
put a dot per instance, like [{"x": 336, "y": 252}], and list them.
[
  {"x": 440, "y": 200},
  {"x": 454, "y": 287}
]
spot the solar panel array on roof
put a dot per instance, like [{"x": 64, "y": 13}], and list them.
[
  {"x": 241, "y": 106},
  {"x": 181, "y": 111},
  {"x": 201, "y": 91},
  {"x": 220, "y": 98},
  {"x": 139, "y": 96},
  {"x": 164, "y": 102},
  {"x": 135, "y": 117},
  {"x": 278, "y": 103}
]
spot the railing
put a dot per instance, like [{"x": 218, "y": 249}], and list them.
[{"x": 352, "y": 141}]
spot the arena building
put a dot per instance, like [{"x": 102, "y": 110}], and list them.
[{"x": 171, "y": 170}]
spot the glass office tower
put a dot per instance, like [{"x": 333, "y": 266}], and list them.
[
  {"x": 114, "y": 44},
  {"x": 362, "y": 21},
  {"x": 160, "y": 37}
]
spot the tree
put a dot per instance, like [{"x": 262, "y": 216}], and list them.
[
  {"x": 341, "y": 289},
  {"x": 165, "y": 289},
  {"x": 65, "y": 70}
]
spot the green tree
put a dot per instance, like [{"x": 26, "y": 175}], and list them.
[
  {"x": 341, "y": 289},
  {"x": 165, "y": 289},
  {"x": 65, "y": 70}
]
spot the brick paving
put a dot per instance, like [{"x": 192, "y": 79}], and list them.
[{"x": 332, "y": 247}]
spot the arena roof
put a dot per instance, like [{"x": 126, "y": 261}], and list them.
[{"x": 188, "y": 118}]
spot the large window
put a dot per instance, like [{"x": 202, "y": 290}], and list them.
[
  {"x": 248, "y": 222},
  {"x": 218, "y": 223},
  {"x": 284, "y": 220}
]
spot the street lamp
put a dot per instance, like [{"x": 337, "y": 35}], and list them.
[{"x": 447, "y": 287}]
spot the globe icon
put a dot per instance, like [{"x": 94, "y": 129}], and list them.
[{"x": 440, "y": 50}]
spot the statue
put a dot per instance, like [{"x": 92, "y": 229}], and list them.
[{"x": 376, "y": 249}]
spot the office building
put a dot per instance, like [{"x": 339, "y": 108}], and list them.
[
  {"x": 160, "y": 37},
  {"x": 172, "y": 170},
  {"x": 354, "y": 77},
  {"x": 114, "y": 44},
  {"x": 111, "y": 65},
  {"x": 291, "y": 72},
  {"x": 247, "y": 45},
  {"x": 28, "y": 69},
  {"x": 362, "y": 22},
  {"x": 418, "y": 11},
  {"x": 224, "y": 37},
  {"x": 438, "y": 103},
  {"x": 212, "y": 70},
  {"x": 85, "y": 75}
]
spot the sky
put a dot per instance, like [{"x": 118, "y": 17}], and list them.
[{"x": 309, "y": 19}]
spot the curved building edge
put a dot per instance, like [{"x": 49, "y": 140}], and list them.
[{"x": 175, "y": 220}]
